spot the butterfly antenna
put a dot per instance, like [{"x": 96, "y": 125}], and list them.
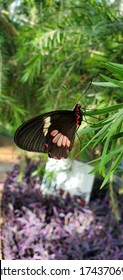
[
  {"x": 87, "y": 88},
  {"x": 63, "y": 86}
]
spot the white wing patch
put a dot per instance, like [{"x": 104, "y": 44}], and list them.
[{"x": 47, "y": 123}]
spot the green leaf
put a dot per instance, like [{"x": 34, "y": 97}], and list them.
[
  {"x": 105, "y": 84},
  {"x": 117, "y": 136},
  {"x": 112, "y": 169},
  {"x": 104, "y": 110},
  {"x": 107, "y": 159},
  {"x": 115, "y": 82},
  {"x": 115, "y": 68}
]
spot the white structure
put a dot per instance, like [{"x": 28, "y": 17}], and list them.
[{"x": 71, "y": 176}]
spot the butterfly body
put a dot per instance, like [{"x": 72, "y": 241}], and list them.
[{"x": 52, "y": 133}]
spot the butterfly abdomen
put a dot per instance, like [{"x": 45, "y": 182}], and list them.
[{"x": 79, "y": 114}]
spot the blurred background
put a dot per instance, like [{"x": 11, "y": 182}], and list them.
[{"x": 46, "y": 45}]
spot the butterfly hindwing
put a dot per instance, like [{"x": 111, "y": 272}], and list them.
[{"x": 60, "y": 137}]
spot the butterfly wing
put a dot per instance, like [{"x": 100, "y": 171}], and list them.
[{"x": 52, "y": 133}]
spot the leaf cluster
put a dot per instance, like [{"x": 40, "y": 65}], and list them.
[
  {"x": 45, "y": 44},
  {"x": 108, "y": 133}
]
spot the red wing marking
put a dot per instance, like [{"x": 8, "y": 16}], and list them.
[
  {"x": 66, "y": 141},
  {"x": 59, "y": 142},
  {"x": 54, "y": 132},
  {"x": 46, "y": 145},
  {"x": 60, "y": 139},
  {"x": 56, "y": 138}
]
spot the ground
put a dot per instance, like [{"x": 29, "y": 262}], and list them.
[{"x": 8, "y": 157}]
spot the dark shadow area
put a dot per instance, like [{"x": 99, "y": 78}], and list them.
[{"x": 38, "y": 226}]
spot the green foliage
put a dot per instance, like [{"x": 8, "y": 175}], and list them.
[
  {"x": 47, "y": 44},
  {"x": 111, "y": 133}
]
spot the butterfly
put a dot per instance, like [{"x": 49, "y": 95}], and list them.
[{"x": 52, "y": 133}]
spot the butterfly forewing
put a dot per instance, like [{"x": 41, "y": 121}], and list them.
[{"x": 52, "y": 133}]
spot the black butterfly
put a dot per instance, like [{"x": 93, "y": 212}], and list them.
[{"x": 52, "y": 133}]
